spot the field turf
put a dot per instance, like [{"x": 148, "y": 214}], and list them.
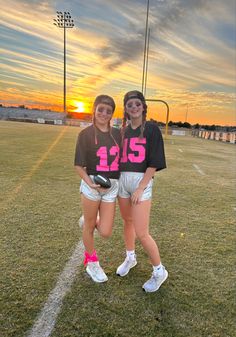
[{"x": 192, "y": 219}]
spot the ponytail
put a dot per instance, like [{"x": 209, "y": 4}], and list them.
[{"x": 142, "y": 125}]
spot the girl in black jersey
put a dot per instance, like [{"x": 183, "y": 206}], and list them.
[
  {"x": 97, "y": 152},
  {"x": 142, "y": 155}
]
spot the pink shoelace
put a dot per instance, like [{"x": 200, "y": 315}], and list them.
[{"x": 90, "y": 258}]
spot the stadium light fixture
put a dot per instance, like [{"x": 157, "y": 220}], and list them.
[{"x": 64, "y": 21}]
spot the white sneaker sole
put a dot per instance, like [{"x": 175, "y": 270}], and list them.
[
  {"x": 95, "y": 279},
  {"x": 155, "y": 289},
  {"x": 122, "y": 275}
]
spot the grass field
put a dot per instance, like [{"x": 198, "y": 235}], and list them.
[{"x": 193, "y": 220}]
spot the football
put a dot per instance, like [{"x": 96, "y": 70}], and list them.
[{"x": 102, "y": 181}]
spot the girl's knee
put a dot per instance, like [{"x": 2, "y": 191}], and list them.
[
  {"x": 105, "y": 229},
  {"x": 105, "y": 233},
  {"x": 128, "y": 221},
  {"x": 143, "y": 237},
  {"x": 89, "y": 225}
]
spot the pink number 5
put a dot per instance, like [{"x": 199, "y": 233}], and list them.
[
  {"x": 103, "y": 164},
  {"x": 139, "y": 158},
  {"x": 136, "y": 146}
]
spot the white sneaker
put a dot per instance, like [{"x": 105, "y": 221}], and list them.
[
  {"x": 154, "y": 283},
  {"x": 81, "y": 221},
  {"x": 125, "y": 267},
  {"x": 96, "y": 272}
]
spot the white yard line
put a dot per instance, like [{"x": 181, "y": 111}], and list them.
[
  {"x": 198, "y": 169},
  {"x": 46, "y": 320},
  {"x": 180, "y": 150}
]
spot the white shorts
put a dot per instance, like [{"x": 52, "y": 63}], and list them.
[
  {"x": 129, "y": 182},
  {"x": 109, "y": 195}
]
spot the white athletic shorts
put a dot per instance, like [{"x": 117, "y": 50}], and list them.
[
  {"x": 129, "y": 182},
  {"x": 109, "y": 195}
]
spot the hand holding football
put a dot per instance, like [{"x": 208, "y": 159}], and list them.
[{"x": 102, "y": 181}]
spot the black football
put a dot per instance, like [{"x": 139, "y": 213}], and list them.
[{"x": 102, "y": 181}]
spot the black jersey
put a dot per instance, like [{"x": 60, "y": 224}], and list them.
[
  {"x": 99, "y": 153},
  {"x": 140, "y": 153}
]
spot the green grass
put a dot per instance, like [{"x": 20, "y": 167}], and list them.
[{"x": 192, "y": 219}]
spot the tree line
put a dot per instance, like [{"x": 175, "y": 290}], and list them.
[{"x": 187, "y": 125}]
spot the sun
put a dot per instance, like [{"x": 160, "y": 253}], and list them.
[{"x": 79, "y": 106}]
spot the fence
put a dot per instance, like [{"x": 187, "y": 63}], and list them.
[{"x": 227, "y": 137}]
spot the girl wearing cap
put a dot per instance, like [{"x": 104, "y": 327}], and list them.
[
  {"x": 97, "y": 152},
  {"x": 142, "y": 155}
]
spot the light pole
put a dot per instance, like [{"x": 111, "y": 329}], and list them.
[
  {"x": 64, "y": 21},
  {"x": 186, "y": 114},
  {"x": 146, "y": 70},
  {"x": 146, "y": 53},
  {"x": 145, "y": 47}
]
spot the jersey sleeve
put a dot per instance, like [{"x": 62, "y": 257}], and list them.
[
  {"x": 156, "y": 156},
  {"x": 80, "y": 151}
]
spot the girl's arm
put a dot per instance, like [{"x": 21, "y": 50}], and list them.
[{"x": 83, "y": 175}]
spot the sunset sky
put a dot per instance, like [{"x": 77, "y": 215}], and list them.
[{"x": 191, "y": 55}]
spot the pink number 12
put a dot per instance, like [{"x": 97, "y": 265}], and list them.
[{"x": 103, "y": 164}]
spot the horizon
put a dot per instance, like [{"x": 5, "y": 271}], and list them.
[
  {"x": 83, "y": 114},
  {"x": 191, "y": 56}
]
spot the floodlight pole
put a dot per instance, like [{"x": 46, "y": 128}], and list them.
[
  {"x": 146, "y": 68},
  {"x": 145, "y": 46},
  {"x": 186, "y": 114},
  {"x": 64, "y": 21},
  {"x": 64, "y": 105}
]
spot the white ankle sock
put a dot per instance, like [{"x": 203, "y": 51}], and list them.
[
  {"x": 130, "y": 254},
  {"x": 158, "y": 269}
]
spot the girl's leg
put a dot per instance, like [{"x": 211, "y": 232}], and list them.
[
  {"x": 106, "y": 218},
  {"x": 140, "y": 216},
  {"x": 90, "y": 210},
  {"x": 93, "y": 268},
  {"x": 126, "y": 214},
  {"x": 129, "y": 237},
  {"x": 141, "y": 223}
]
